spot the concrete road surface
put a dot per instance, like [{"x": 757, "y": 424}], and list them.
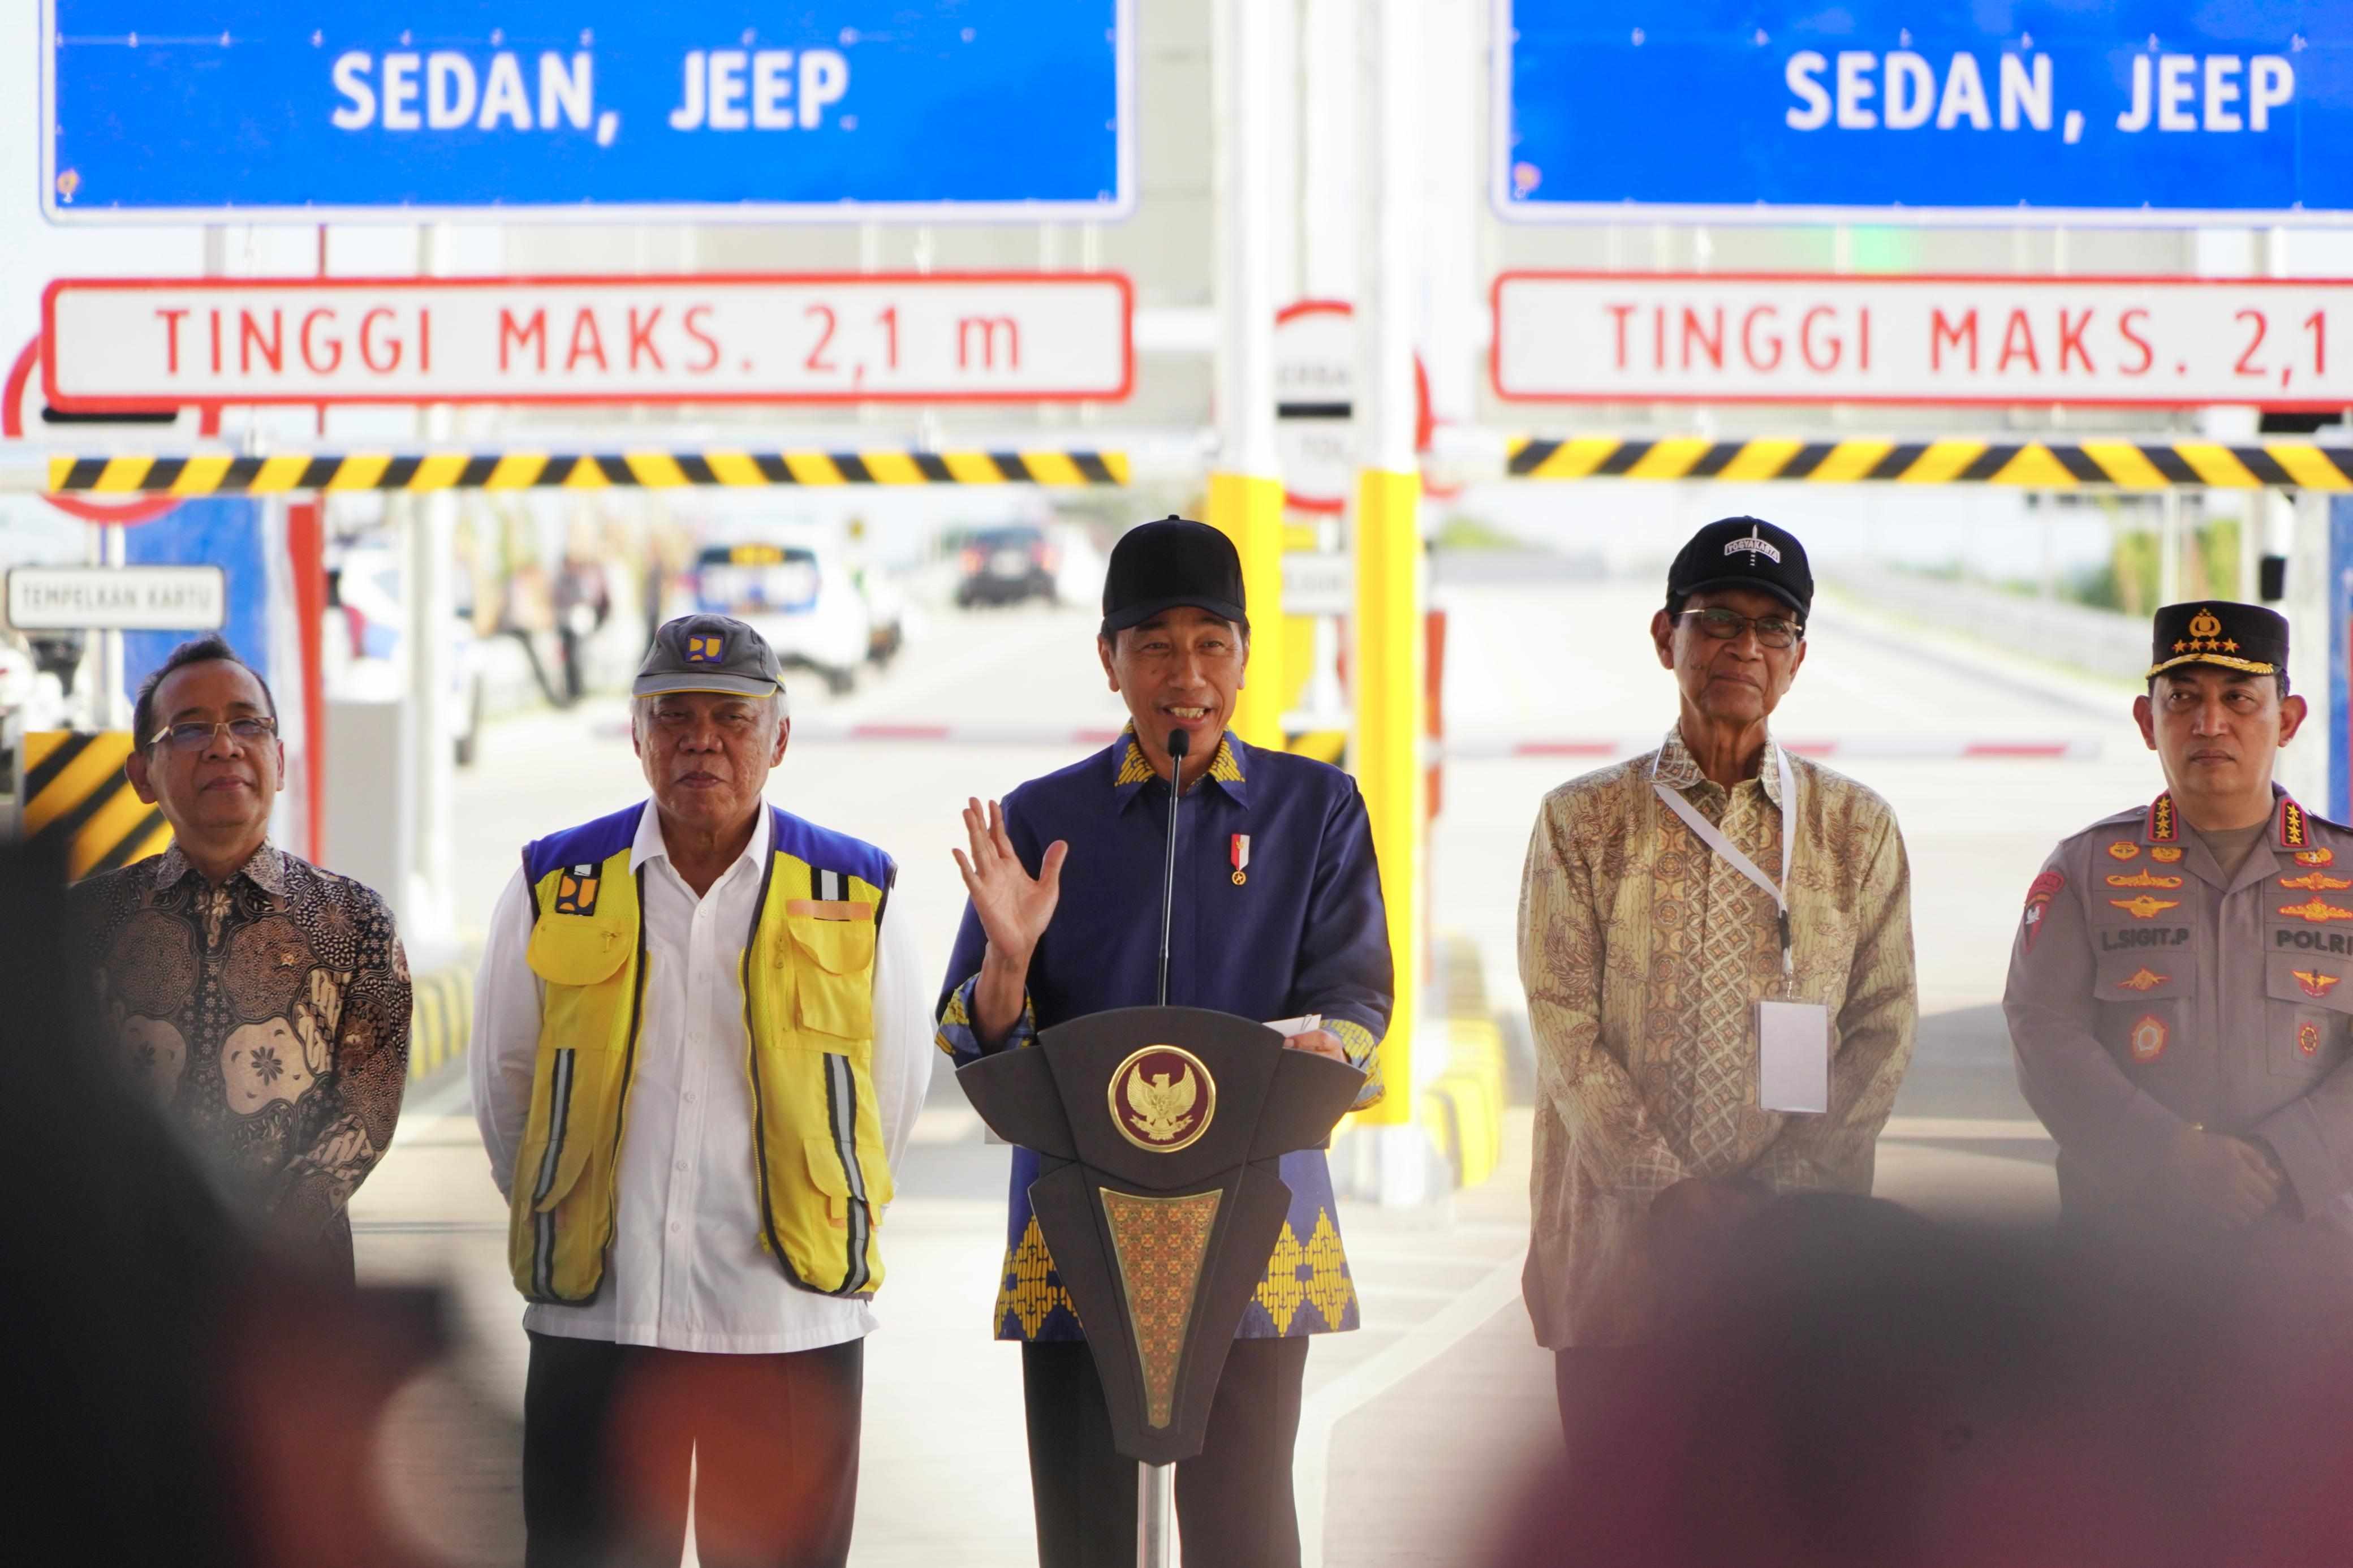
[{"x": 1417, "y": 1424}]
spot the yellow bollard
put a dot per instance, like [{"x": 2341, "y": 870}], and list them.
[
  {"x": 1385, "y": 682},
  {"x": 1248, "y": 509}
]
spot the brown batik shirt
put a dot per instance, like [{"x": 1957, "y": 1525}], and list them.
[
  {"x": 1643, "y": 952},
  {"x": 269, "y": 1017}
]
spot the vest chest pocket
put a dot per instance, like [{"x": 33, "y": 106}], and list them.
[
  {"x": 2307, "y": 1027},
  {"x": 832, "y": 963},
  {"x": 583, "y": 962},
  {"x": 2142, "y": 994}
]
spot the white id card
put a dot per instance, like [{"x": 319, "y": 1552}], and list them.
[{"x": 1793, "y": 1056}]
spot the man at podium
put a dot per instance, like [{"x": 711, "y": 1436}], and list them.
[{"x": 1275, "y": 915}]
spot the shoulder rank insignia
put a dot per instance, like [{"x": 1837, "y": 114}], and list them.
[
  {"x": 2144, "y": 981},
  {"x": 2169, "y": 853},
  {"x": 2317, "y": 909},
  {"x": 2124, "y": 849},
  {"x": 2149, "y": 880},
  {"x": 2038, "y": 894},
  {"x": 2307, "y": 1038},
  {"x": 2148, "y": 1038},
  {"x": 2164, "y": 826},
  {"x": 576, "y": 891},
  {"x": 2315, "y": 857},
  {"x": 2314, "y": 983},
  {"x": 2294, "y": 833},
  {"x": 2145, "y": 907},
  {"x": 2317, "y": 882}
]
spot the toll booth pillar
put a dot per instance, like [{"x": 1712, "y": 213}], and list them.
[
  {"x": 1245, "y": 499},
  {"x": 1386, "y": 673}
]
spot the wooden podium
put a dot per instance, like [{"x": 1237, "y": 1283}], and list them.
[{"x": 1158, "y": 1130}]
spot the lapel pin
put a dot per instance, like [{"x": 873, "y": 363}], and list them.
[{"x": 1241, "y": 858}]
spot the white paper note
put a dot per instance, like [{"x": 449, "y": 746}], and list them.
[{"x": 1793, "y": 1056}]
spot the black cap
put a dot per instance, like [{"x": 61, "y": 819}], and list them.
[
  {"x": 2215, "y": 631},
  {"x": 1744, "y": 552},
  {"x": 1158, "y": 566},
  {"x": 709, "y": 653}
]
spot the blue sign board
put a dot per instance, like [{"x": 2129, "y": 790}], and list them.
[
  {"x": 522, "y": 110},
  {"x": 2076, "y": 112}
]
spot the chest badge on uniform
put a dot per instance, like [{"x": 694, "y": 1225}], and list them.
[
  {"x": 2307, "y": 1038},
  {"x": 576, "y": 891},
  {"x": 2314, "y": 983},
  {"x": 2317, "y": 882},
  {"x": 2317, "y": 909},
  {"x": 1163, "y": 1098},
  {"x": 2124, "y": 849},
  {"x": 2315, "y": 857},
  {"x": 2147, "y": 980},
  {"x": 2169, "y": 853},
  {"x": 2144, "y": 880},
  {"x": 1240, "y": 859},
  {"x": 2145, "y": 907},
  {"x": 2148, "y": 1037}
]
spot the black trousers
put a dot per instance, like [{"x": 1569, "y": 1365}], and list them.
[
  {"x": 609, "y": 1432},
  {"x": 1234, "y": 1507}
]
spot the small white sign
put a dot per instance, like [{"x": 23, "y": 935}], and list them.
[
  {"x": 118, "y": 598},
  {"x": 1581, "y": 337},
  {"x": 1316, "y": 585},
  {"x": 784, "y": 338}
]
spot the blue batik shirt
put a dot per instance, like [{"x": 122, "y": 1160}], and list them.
[{"x": 1277, "y": 914}]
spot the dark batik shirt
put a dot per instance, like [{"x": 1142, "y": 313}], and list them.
[
  {"x": 1301, "y": 930},
  {"x": 269, "y": 1017}
]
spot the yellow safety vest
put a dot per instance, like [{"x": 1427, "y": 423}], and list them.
[{"x": 807, "y": 973}]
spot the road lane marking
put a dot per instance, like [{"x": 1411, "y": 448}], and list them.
[{"x": 1321, "y": 1412}]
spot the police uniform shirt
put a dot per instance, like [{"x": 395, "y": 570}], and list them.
[
  {"x": 1278, "y": 913},
  {"x": 2148, "y": 988},
  {"x": 686, "y": 1271}
]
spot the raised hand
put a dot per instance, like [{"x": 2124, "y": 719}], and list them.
[{"x": 1013, "y": 906}]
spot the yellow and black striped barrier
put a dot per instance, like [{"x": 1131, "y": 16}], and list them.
[
  {"x": 440, "y": 1019},
  {"x": 1462, "y": 1108},
  {"x": 2035, "y": 465},
  {"x": 221, "y": 474},
  {"x": 74, "y": 791}
]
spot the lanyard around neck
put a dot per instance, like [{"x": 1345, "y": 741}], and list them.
[{"x": 1712, "y": 836}]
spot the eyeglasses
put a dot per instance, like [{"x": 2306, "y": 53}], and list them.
[
  {"x": 1772, "y": 631},
  {"x": 195, "y": 736}
]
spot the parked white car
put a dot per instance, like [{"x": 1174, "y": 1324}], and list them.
[{"x": 790, "y": 585}]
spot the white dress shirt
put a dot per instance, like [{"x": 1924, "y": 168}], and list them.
[{"x": 686, "y": 1271}]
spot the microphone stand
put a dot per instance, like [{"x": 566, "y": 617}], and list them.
[
  {"x": 1155, "y": 1485},
  {"x": 1179, "y": 742}
]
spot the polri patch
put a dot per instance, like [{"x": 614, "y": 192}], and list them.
[
  {"x": 2314, "y": 983},
  {"x": 2124, "y": 849},
  {"x": 2315, "y": 857},
  {"x": 2038, "y": 894},
  {"x": 576, "y": 891},
  {"x": 2169, "y": 853}
]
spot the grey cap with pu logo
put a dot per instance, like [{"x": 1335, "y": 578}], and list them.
[{"x": 709, "y": 653}]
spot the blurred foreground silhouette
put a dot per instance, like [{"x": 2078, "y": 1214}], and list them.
[
  {"x": 172, "y": 1396},
  {"x": 1847, "y": 1383}
]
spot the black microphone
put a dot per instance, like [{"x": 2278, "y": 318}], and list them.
[{"x": 1179, "y": 742}]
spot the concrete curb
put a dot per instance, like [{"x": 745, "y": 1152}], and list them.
[{"x": 442, "y": 1019}]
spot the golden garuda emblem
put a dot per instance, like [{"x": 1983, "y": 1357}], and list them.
[{"x": 1162, "y": 1099}]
